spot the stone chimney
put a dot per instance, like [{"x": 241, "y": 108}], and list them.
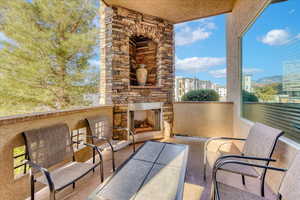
[{"x": 129, "y": 39}]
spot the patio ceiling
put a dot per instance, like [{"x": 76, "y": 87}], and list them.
[{"x": 176, "y": 11}]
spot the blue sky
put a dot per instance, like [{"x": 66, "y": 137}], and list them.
[
  {"x": 272, "y": 39},
  {"x": 201, "y": 46}
]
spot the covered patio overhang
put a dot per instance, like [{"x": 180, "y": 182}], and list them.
[{"x": 176, "y": 11}]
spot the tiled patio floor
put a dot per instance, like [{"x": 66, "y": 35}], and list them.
[{"x": 195, "y": 187}]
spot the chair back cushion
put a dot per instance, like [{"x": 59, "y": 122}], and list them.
[
  {"x": 50, "y": 145},
  {"x": 261, "y": 142},
  {"x": 100, "y": 126},
  {"x": 290, "y": 186}
]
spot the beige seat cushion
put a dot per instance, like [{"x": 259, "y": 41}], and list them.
[
  {"x": 66, "y": 174},
  {"x": 234, "y": 168},
  {"x": 231, "y": 193},
  {"x": 117, "y": 145},
  {"x": 240, "y": 169}
]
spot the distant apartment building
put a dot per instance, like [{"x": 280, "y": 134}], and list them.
[
  {"x": 291, "y": 78},
  {"x": 222, "y": 91},
  {"x": 184, "y": 85},
  {"x": 247, "y": 83}
]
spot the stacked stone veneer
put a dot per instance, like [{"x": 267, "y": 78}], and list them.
[{"x": 118, "y": 25}]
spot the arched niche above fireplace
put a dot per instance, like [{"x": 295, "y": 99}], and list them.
[{"x": 143, "y": 50}]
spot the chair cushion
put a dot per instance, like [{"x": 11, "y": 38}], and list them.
[
  {"x": 231, "y": 193},
  {"x": 234, "y": 168},
  {"x": 117, "y": 145},
  {"x": 67, "y": 174},
  {"x": 240, "y": 169}
]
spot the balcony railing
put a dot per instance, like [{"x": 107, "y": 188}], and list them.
[
  {"x": 14, "y": 174},
  {"x": 284, "y": 116}
]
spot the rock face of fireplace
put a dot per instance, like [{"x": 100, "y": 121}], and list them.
[{"x": 129, "y": 38}]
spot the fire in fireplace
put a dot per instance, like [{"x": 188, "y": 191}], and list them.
[
  {"x": 145, "y": 117},
  {"x": 146, "y": 120}
]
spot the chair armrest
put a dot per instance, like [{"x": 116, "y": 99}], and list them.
[
  {"x": 221, "y": 138},
  {"x": 95, "y": 148},
  {"x": 221, "y": 164},
  {"x": 217, "y": 138},
  {"x": 44, "y": 171},
  {"x": 243, "y": 157},
  {"x": 131, "y": 133}
]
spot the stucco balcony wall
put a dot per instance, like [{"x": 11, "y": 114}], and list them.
[
  {"x": 11, "y": 129},
  {"x": 203, "y": 119}
]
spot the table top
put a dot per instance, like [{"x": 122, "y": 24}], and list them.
[{"x": 156, "y": 171}]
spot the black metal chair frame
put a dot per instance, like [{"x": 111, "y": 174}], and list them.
[
  {"x": 46, "y": 172},
  {"x": 220, "y": 163},
  {"x": 113, "y": 151},
  {"x": 263, "y": 176}
]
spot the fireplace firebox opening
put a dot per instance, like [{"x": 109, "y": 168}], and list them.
[{"x": 145, "y": 120}]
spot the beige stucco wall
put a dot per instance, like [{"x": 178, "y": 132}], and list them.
[
  {"x": 10, "y": 137},
  {"x": 243, "y": 14},
  {"x": 204, "y": 119}
]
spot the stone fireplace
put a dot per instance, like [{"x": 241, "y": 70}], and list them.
[{"x": 129, "y": 39}]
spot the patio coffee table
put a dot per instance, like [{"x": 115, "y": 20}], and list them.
[{"x": 156, "y": 171}]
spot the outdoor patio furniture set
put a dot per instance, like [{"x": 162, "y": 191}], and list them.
[{"x": 154, "y": 161}]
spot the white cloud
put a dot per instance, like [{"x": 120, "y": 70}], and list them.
[
  {"x": 185, "y": 33},
  {"x": 221, "y": 73},
  {"x": 198, "y": 64},
  {"x": 292, "y": 11},
  {"x": 276, "y": 37},
  {"x": 298, "y": 36}
]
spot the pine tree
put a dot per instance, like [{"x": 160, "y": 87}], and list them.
[{"x": 44, "y": 61}]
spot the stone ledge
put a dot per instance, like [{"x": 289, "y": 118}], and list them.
[
  {"x": 43, "y": 115},
  {"x": 144, "y": 87},
  {"x": 203, "y": 102}
]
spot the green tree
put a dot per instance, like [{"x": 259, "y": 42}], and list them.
[
  {"x": 201, "y": 95},
  {"x": 249, "y": 97},
  {"x": 44, "y": 62},
  {"x": 265, "y": 93}
]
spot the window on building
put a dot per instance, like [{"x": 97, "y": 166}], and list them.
[
  {"x": 271, "y": 68},
  {"x": 48, "y": 59}
]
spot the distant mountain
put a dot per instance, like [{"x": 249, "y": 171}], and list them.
[{"x": 269, "y": 80}]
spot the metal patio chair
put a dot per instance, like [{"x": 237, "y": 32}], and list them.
[
  {"x": 49, "y": 146},
  {"x": 260, "y": 143},
  {"x": 289, "y": 188},
  {"x": 102, "y": 134}
]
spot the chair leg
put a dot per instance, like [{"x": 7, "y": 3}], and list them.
[
  {"x": 101, "y": 171},
  {"x": 52, "y": 195},
  {"x": 204, "y": 172},
  {"x": 243, "y": 180},
  {"x": 262, "y": 188},
  {"x": 32, "y": 187},
  {"x": 113, "y": 160}
]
